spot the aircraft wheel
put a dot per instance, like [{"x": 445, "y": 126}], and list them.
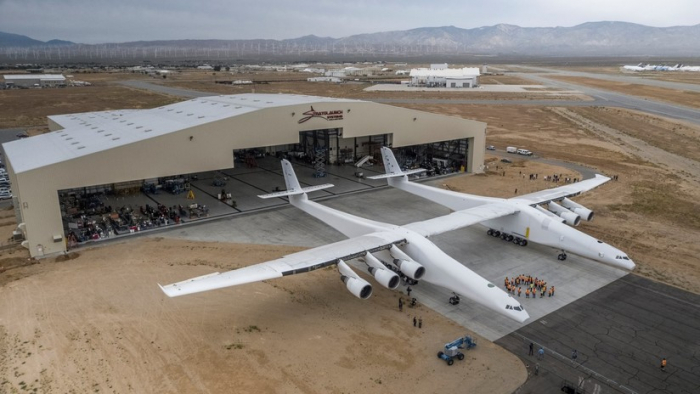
[
  {"x": 563, "y": 256},
  {"x": 496, "y": 233},
  {"x": 516, "y": 240},
  {"x": 510, "y": 238},
  {"x": 504, "y": 236},
  {"x": 523, "y": 242},
  {"x": 490, "y": 232}
]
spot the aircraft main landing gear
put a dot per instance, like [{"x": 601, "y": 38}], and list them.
[
  {"x": 507, "y": 237},
  {"x": 562, "y": 256}
]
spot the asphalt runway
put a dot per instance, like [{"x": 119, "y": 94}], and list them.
[{"x": 621, "y": 332}]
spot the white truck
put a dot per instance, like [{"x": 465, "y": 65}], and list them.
[
  {"x": 524, "y": 152},
  {"x": 511, "y": 149}
]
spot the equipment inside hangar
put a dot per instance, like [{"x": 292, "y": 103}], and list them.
[{"x": 104, "y": 174}]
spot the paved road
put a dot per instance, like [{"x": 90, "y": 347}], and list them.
[
  {"x": 166, "y": 89},
  {"x": 626, "y": 78},
  {"x": 612, "y": 99},
  {"x": 621, "y": 332}
]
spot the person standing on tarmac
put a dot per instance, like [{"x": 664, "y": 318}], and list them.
[{"x": 663, "y": 364}]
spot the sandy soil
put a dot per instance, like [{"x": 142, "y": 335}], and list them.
[
  {"x": 99, "y": 323},
  {"x": 30, "y": 107}
]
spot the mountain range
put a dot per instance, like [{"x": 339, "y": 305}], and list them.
[{"x": 584, "y": 40}]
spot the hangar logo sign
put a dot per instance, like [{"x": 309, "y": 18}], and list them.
[{"x": 327, "y": 115}]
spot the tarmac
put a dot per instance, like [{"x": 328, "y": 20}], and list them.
[{"x": 620, "y": 324}]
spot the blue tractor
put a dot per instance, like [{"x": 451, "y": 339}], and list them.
[{"x": 452, "y": 349}]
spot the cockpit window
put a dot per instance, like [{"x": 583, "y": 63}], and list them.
[
  {"x": 618, "y": 257},
  {"x": 516, "y": 308}
]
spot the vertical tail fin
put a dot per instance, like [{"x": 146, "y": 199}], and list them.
[
  {"x": 391, "y": 166},
  {"x": 292, "y": 183},
  {"x": 290, "y": 178}
]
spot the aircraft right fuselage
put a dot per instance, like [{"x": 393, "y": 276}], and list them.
[{"x": 529, "y": 223}]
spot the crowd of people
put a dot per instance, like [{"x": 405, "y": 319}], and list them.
[{"x": 533, "y": 286}]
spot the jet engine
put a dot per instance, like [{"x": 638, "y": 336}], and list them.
[
  {"x": 571, "y": 218},
  {"x": 549, "y": 214},
  {"x": 406, "y": 265},
  {"x": 359, "y": 287},
  {"x": 384, "y": 276},
  {"x": 585, "y": 213}
]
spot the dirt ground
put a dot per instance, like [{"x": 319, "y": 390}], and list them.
[
  {"x": 30, "y": 107},
  {"x": 99, "y": 323}
]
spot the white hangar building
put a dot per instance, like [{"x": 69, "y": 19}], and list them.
[
  {"x": 199, "y": 135},
  {"x": 467, "y": 77},
  {"x": 29, "y": 80}
]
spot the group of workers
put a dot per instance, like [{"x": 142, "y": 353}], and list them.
[{"x": 533, "y": 286}]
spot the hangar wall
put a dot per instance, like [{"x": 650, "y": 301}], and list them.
[{"x": 210, "y": 146}]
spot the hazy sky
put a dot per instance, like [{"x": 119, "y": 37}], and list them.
[{"x": 99, "y": 21}]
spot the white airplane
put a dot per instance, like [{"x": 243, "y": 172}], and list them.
[
  {"x": 384, "y": 248},
  {"x": 532, "y": 223}
]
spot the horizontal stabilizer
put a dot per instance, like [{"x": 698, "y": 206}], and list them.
[
  {"x": 293, "y": 192},
  {"x": 397, "y": 174}
]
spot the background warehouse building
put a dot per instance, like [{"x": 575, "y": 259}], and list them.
[
  {"x": 34, "y": 80},
  {"x": 439, "y": 76},
  {"x": 97, "y": 153}
]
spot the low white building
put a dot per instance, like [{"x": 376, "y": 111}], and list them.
[
  {"x": 467, "y": 77},
  {"x": 34, "y": 80},
  {"x": 324, "y": 79}
]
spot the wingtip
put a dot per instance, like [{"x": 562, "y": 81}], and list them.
[{"x": 164, "y": 290}]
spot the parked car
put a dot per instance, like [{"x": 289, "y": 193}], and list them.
[
  {"x": 504, "y": 160},
  {"x": 511, "y": 149},
  {"x": 490, "y": 147},
  {"x": 524, "y": 152}
]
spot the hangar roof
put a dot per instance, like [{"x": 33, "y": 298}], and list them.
[{"x": 93, "y": 132}]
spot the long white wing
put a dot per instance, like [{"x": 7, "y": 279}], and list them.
[
  {"x": 460, "y": 219},
  {"x": 296, "y": 263},
  {"x": 558, "y": 193}
]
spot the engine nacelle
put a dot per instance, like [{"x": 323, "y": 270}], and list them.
[
  {"x": 406, "y": 264},
  {"x": 571, "y": 218},
  {"x": 585, "y": 213},
  {"x": 385, "y": 277},
  {"x": 549, "y": 214},
  {"x": 410, "y": 268},
  {"x": 359, "y": 287}
]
